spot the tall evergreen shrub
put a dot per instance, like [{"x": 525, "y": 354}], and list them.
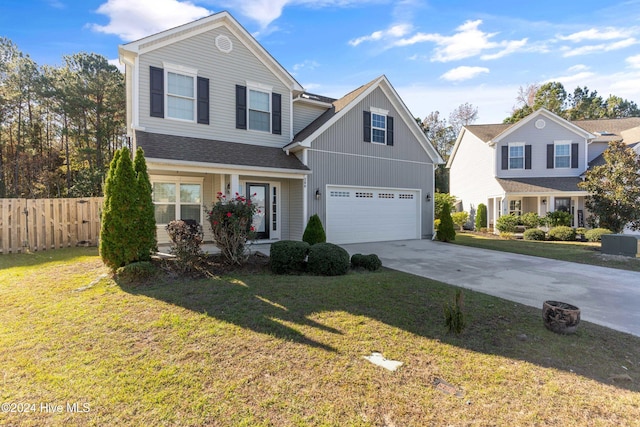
[
  {"x": 314, "y": 232},
  {"x": 481, "y": 216},
  {"x": 446, "y": 231},
  {"x": 118, "y": 237},
  {"x": 146, "y": 220}
]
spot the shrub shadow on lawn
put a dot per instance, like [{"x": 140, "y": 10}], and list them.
[{"x": 264, "y": 302}]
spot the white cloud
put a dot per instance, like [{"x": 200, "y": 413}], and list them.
[
  {"x": 578, "y": 67},
  {"x": 307, "y": 65},
  {"x": 570, "y": 79},
  {"x": 634, "y": 61},
  {"x": 132, "y": 20},
  {"x": 463, "y": 73},
  {"x": 599, "y": 48},
  {"x": 596, "y": 34},
  {"x": 395, "y": 31},
  {"x": 468, "y": 41}
]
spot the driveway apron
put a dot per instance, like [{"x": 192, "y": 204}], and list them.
[{"x": 606, "y": 296}]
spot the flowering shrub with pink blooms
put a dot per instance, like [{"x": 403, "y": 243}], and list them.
[{"x": 231, "y": 222}]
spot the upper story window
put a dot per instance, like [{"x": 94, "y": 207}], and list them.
[
  {"x": 516, "y": 156},
  {"x": 180, "y": 96},
  {"x": 259, "y": 110},
  {"x": 178, "y": 93},
  {"x": 378, "y": 126},
  {"x": 562, "y": 155}
]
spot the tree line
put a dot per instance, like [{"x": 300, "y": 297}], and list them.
[{"x": 59, "y": 126}]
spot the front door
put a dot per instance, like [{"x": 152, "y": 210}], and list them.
[{"x": 259, "y": 194}]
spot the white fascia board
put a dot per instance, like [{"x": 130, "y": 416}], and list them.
[
  {"x": 300, "y": 99},
  {"x": 209, "y": 168}
]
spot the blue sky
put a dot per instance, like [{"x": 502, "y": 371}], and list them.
[{"x": 437, "y": 54}]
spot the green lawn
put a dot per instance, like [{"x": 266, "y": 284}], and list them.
[
  {"x": 259, "y": 349},
  {"x": 580, "y": 252}
]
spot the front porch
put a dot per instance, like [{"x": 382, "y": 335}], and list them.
[{"x": 540, "y": 204}]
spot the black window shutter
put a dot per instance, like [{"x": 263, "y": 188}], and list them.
[
  {"x": 505, "y": 157},
  {"x": 527, "y": 156},
  {"x": 156, "y": 103},
  {"x": 366, "y": 119},
  {"x": 574, "y": 155},
  {"x": 389, "y": 130},
  {"x": 241, "y": 107},
  {"x": 550, "y": 155},
  {"x": 203, "y": 101},
  {"x": 276, "y": 113}
]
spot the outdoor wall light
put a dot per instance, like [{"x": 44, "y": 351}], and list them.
[
  {"x": 428, "y": 197},
  {"x": 318, "y": 194},
  {"x": 544, "y": 201}
]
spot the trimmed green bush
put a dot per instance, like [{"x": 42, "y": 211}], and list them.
[
  {"x": 595, "y": 234},
  {"x": 314, "y": 232},
  {"x": 136, "y": 272},
  {"x": 288, "y": 256},
  {"x": 481, "y": 217},
  {"x": 460, "y": 218},
  {"x": 371, "y": 262},
  {"x": 562, "y": 233},
  {"x": 534, "y": 234},
  {"x": 327, "y": 259},
  {"x": 530, "y": 219},
  {"x": 558, "y": 218},
  {"x": 445, "y": 231},
  {"x": 507, "y": 223}
]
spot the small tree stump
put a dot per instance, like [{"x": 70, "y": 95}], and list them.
[{"x": 560, "y": 317}]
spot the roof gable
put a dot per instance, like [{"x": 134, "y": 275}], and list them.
[
  {"x": 182, "y": 32},
  {"x": 542, "y": 112},
  {"x": 343, "y": 105}
]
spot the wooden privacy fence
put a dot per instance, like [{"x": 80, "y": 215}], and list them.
[{"x": 42, "y": 224}]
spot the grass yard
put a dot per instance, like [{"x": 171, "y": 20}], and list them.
[
  {"x": 265, "y": 350},
  {"x": 580, "y": 252}
]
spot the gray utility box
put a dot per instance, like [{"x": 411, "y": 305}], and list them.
[{"x": 621, "y": 244}]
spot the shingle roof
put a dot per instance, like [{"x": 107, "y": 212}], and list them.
[
  {"x": 539, "y": 185},
  {"x": 187, "y": 149},
  {"x": 338, "y": 104},
  {"x": 626, "y": 128}
]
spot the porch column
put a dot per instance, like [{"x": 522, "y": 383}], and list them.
[
  {"x": 223, "y": 184},
  {"x": 551, "y": 204},
  {"x": 235, "y": 184}
]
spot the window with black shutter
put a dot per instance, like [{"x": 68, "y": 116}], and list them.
[
  {"x": 276, "y": 115},
  {"x": 156, "y": 104},
  {"x": 366, "y": 122},
  {"x": 241, "y": 107},
  {"x": 203, "y": 101}
]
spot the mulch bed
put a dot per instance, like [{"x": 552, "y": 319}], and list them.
[{"x": 214, "y": 265}]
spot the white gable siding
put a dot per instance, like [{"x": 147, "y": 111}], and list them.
[
  {"x": 471, "y": 174},
  {"x": 538, "y": 139},
  {"x": 304, "y": 114},
  {"x": 224, "y": 71}
]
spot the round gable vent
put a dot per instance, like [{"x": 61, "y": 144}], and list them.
[
  {"x": 540, "y": 124},
  {"x": 224, "y": 44}
]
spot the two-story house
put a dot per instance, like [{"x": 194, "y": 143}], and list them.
[
  {"x": 534, "y": 165},
  {"x": 215, "y": 113}
]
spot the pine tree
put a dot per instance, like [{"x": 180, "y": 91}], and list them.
[
  {"x": 314, "y": 232},
  {"x": 118, "y": 237},
  {"x": 146, "y": 221}
]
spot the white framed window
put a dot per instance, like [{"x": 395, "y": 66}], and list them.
[
  {"x": 516, "y": 155},
  {"x": 378, "y": 128},
  {"x": 562, "y": 154},
  {"x": 259, "y": 107},
  {"x": 177, "y": 199},
  {"x": 180, "y": 90},
  {"x": 515, "y": 207}
]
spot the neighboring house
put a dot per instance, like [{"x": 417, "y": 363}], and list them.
[
  {"x": 215, "y": 112},
  {"x": 534, "y": 165}
]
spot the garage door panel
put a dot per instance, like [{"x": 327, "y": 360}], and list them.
[{"x": 369, "y": 215}]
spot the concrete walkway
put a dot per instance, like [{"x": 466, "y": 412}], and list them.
[{"x": 605, "y": 296}]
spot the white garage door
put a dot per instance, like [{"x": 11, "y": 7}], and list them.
[{"x": 372, "y": 214}]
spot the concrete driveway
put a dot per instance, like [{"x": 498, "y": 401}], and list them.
[{"x": 605, "y": 296}]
